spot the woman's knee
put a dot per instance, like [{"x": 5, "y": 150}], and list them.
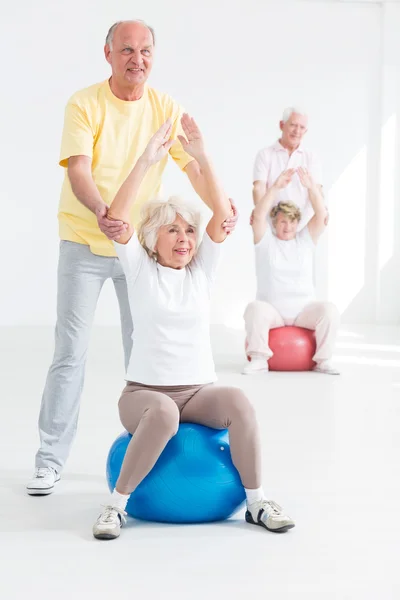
[
  {"x": 257, "y": 309},
  {"x": 330, "y": 311},
  {"x": 163, "y": 416},
  {"x": 152, "y": 409},
  {"x": 237, "y": 405}
]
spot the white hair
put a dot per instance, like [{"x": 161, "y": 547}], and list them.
[
  {"x": 111, "y": 31},
  {"x": 157, "y": 214},
  {"x": 288, "y": 112}
]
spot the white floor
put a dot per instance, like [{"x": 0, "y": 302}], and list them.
[{"x": 331, "y": 457}]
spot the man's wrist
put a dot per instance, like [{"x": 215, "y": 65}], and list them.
[{"x": 100, "y": 208}]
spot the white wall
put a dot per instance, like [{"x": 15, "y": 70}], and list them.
[
  {"x": 234, "y": 65},
  {"x": 388, "y": 267}
]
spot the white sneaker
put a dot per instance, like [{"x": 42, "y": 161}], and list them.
[
  {"x": 43, "y": 481},
  {"x": 326, "y": 367},
  {"x": 256, "y": 365},
  {"x": 268, "y": 514},
  {"x": 108, "y": 525}
]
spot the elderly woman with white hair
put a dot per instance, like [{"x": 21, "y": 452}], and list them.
[
  {"x": 284, "y": 271},
  {"x": 170, "y": 378}
]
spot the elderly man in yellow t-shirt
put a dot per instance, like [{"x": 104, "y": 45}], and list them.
[{"x": 106, "y": 129}]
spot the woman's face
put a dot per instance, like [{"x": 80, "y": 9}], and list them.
[
  {"x": 285, "y": 228},
  {"x": 176, "y": 244}
]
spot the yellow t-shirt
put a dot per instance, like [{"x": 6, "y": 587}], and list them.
[{"x": 113, "y": 133}]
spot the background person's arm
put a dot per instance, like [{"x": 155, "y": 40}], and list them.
[
  {"x": 261, "y": 168},
  {"x": 265, "y": 204},
  {"x": 259, "y": 191},
  {"x": 260, "y": 178},
  {"x": 316, "y": 225},
  {"x": 315, "y": 169}
]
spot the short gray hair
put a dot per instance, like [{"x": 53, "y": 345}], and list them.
[
  {"x": 111, "y": 31},
  {"x": 287, "y": 113},
  {"x": 289, "y": 209},
  {"x": 157, "y": 214}
]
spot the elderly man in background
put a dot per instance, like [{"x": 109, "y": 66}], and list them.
[
  {"x": 288, "y": 153},
  {"x": 107, "y": 127}
]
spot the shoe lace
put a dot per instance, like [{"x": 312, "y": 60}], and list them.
[
  {"x": 42, "y": 472},
  {"x": 108, "y": 514},
  {"x": 271, "y": 508}
]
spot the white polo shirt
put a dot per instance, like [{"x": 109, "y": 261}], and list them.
[{"x": 272, "y": 161}]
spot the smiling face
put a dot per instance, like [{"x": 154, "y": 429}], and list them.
[
  {"x": 285, "y": 227},
  {"x": 293, "y": 130},
  {"x": 176, "y": 244},
  {"x": 130, "y": 55}
]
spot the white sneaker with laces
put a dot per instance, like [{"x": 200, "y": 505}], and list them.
[
  {"x": 268, "y": 514},
  {"x": 43, "y": 481},
  {"x": 108, "y": 525},
  {"x": 326, "y": 367},
  {"x": 256, "y": 365}
]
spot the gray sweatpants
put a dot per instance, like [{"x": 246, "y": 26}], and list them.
[
  {"x": 81, "y": 275},
  {"x": 153, "y": 415}
]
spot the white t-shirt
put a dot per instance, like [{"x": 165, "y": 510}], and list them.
[
  {"x": 272, "y": 161},
  {"x": 284, "y": 270},
  {"x": 170, "y": 312}
]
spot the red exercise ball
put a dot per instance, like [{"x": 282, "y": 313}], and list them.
[{"x": 293, "y": 349}]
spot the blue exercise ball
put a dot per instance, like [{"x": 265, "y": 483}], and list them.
[{"x": 193, "y": 481}]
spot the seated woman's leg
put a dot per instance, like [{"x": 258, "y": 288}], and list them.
[
  {"x": 259, "y": 318},
  {"x": 223, "y": 407},
  {"x": 229, "y": 408},
  {"x": 324, "y": 318},
  {"x": 153, "y": 418}
]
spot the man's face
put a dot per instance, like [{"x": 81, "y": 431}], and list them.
[
  {"x": 131, "y": 56},
  {"x": 294, "y": 130}
]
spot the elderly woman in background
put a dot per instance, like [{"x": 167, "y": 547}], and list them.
[
  {"x": 171, "y": 373},
  {"x": 284, "y": 270}
]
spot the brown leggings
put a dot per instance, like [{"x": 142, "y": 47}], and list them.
[{"x": 153, "y": 415}]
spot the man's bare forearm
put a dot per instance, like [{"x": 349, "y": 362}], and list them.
[{"x": 83, "y": 186}]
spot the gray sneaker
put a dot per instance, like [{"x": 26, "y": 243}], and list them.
[
  {"x": 268, "y": 514},
  {"x": 109, "y": 523},
  {"x": 43, "y": 481}
]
